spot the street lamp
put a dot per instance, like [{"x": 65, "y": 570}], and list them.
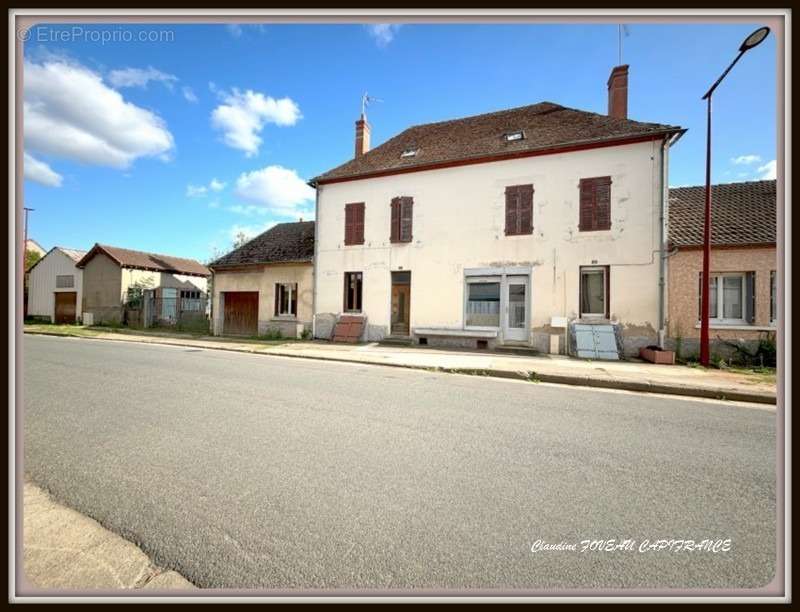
[{"x": 751, "y": 41}]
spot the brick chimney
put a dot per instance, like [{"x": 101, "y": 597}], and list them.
[
  {"x": 362, "y": 136},
  {"x": 618, "y": 92}
]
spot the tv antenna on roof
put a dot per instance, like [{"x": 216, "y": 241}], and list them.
[
  {"x": 622, "y": 29},
  {"x": 366, "y": 100}
]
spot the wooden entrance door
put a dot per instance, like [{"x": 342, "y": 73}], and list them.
[
  {"x": 240, "y": 313},
  {"x": 401, "y": 299},
  {"x": 66, "y": 302}
]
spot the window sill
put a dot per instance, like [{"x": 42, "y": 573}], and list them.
[
  {"x": 284, "y": 318},
  {"x": 738, "y": 327}
]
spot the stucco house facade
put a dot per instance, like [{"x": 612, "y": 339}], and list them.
[
  {"x": 744, "y": 272},
  {"x": 55, "y": 286},
  {"x": 266, "y": 284},
  {"x": 498, "y": 229},
  {"x": 113, "y": 275}
]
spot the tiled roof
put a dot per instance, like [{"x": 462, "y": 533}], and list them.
[
  {"x": 545, "y": 125},
  {"x": 74, "y": 254},
  {"x": 127, "y": 258},
  {"x": 286, "y": 242},
  {"x": 741, "y": 213}
]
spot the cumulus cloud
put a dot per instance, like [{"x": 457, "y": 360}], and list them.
[
  {"x": 383, "y": 33},
  {"x": 242, "y": 116},
  {"x": 745, "y": 160},
  {"x": 278, "y": 189},
  {"x": 768, "y": 171},
  {"x": 200, "y": 191},
  {"x": 39, "y": 172},
  {"x": 189, "y": 94},
  {"x": 71, "y": 113},
  {"x": 140, "y": 77}
]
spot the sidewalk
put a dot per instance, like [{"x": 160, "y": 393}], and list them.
[
  {"x": 64, "y": 549},
  {"x": 625, "y": 375}
]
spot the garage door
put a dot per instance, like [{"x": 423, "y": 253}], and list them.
[
  {"x": 65, "y": 306},
  {"x": 241, "y": 313}
]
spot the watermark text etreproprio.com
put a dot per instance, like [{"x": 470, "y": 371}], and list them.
[{"x": 100, "y": 35}]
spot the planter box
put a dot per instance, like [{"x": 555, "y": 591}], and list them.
[{"x": 657, "y": 356}]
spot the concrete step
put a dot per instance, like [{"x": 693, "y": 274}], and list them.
[{"x": 516, "y": 350}]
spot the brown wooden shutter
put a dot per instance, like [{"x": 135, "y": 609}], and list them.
[
  {"x": 277, "y": 299},
  {"x": 406, "y": 219},
  {"x": 359, "y": 224},
  {"x": 512, "y": 199},
  {"x": 348, "y": 224},
  {"x": 395, "y": 220},
  {"x": 602, "y": 204},
  {"x": 354, "y": 223},
  {"x": 586, "y": 221},
  {"x": 525, "y": 210}
]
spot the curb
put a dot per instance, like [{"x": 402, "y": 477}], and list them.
[{"x": 531, "y": 376}]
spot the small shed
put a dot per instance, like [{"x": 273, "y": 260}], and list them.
[{"x": 55, "y": 286}]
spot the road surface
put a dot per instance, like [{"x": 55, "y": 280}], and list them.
[{"x": 251, "y": 471}]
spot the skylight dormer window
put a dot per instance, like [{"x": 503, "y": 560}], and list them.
[
  {"x": 411, "y": 152},
  {"x": 514, "y": 136}
]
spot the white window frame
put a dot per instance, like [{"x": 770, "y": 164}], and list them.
[
  {"x": 469, "y": 280},
  {"x": 715, "y": 318},
  {"x": 288, "y": 288},
  {"x": 592, "y": 315}
]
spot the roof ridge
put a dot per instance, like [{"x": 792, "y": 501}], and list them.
[{"x": 110, "y": 246}]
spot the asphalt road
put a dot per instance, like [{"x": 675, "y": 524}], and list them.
[{"x": 251, "y": 471}]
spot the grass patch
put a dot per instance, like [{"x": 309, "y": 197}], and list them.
[{"x": 61, "y": 330}]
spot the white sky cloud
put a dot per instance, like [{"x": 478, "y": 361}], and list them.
[
  {"x": 39, "y": 172},
  {"x": 201, "y": 191},
  {"x": 71, "y": 113},
  {"x": 383, "y": 33},
  {"x": 278, "y": 189},
  {"x": 216, "y": 185},
  {"x": 140, "y": 77},
  {"x": 744, "y": 160},
  {"x": 189, "y": 94},
  {"x": 768, "y": 171},
  {"x": 243, "y": 115}
]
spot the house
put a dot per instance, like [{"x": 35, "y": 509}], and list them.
[
  {"x": 55, "y": 286},
  {"x": 499, "y": 229},
  {"x": 31, "y": 246},
  {"x": 266, "y": 284},
  {"x": 113, "y": 276},
  {"x": 743, "y": 263}
]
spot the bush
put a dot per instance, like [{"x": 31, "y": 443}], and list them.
[{"x": 272, "y": 334}]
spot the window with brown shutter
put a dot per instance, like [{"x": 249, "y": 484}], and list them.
[
  {"x": 402, "y": 219},
  {"x": 354, "y": 223},
  {"x": 519, "y": 210},
  {"x": 595, "y": 204}
]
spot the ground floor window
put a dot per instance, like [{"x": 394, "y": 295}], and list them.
[
  {"x": 594, "y": 292},
  {"x": 191, "y": 300},
  {"x": 483, "y": 303},
  {"x": 286, "y": 299},
  {"x": 352, "y": 291},
  {"x": 728, "y": 297},
  {"x": 773, "y": 297}
]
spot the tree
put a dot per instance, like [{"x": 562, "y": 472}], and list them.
[
  {"x": 31, "y": 257},
  {"x": 240, "y": 240}
]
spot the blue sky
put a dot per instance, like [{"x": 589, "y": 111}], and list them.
[{"x": 175, "y": 145}]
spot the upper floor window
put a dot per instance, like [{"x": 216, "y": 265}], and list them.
[
  {"x": 402, "y": 219},
  {"x": 595, "y": 204},
  {"x": 354, "y": 223},
  {"x": 64, "y": 281},
  {"x": 519, "y": 210}
]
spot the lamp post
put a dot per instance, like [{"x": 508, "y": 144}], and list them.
[{"x": 751, "y": 41}]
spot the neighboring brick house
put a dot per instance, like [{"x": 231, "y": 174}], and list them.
[
  {"x": 266, "y": 284},
  {"x": 499, "y": 228},
  {"x": 743, "y": 263}
]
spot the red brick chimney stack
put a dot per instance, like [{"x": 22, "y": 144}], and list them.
[
  {"x": 362, "y": 136},
  {"x": 618, "y": 92}
]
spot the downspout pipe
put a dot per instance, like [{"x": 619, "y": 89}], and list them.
[{"x": 663, "y": 223}]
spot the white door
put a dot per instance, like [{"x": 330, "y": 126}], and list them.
[{"x": 517, "y": 306}]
